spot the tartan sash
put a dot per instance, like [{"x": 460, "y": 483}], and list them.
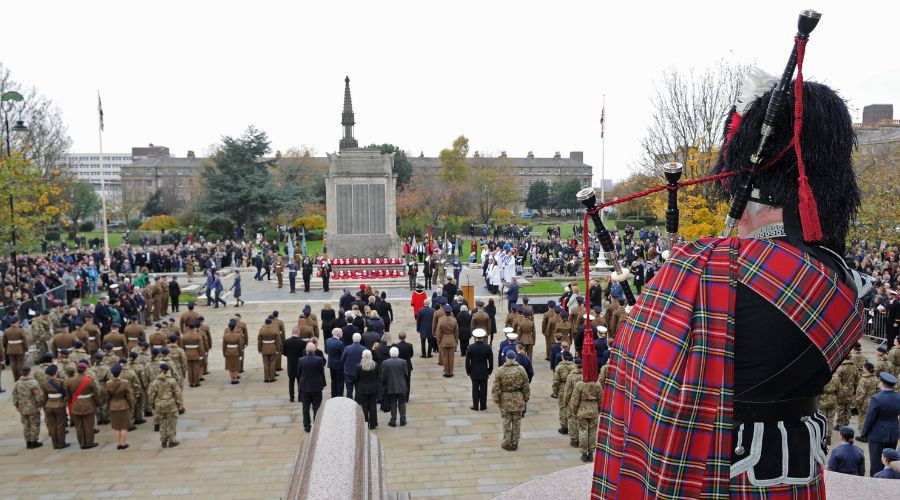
[{"x": 666, "y": 417}]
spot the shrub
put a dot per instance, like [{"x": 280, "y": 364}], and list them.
[
  {"x": 134, "y": 224},
  {"x": 52, "y": 236},
  {"x": 160, "y": 223},
  {"x": 86, "y": 226},
  {"x": 270, "y": 235},
  {"x": 309, "y": 222}
]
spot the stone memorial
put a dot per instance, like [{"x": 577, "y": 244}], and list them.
[{"x": 360, "y": 197}]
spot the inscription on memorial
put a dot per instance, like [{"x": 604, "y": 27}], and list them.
[{"x": 360, "y": 208}]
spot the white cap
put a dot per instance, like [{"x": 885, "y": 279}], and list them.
[
  {"x": 602, "y": 329},
  {"x": 585, "y": 316},
  {"x": 512, "y": 336},
  {"x": 479, "y": 333},
  {"x": 508, "y": 330}
]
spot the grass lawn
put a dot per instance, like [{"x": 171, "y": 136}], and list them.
[
  {"x": 545, "y": 287},
  {"x": 115, "y": 238},
  {"x": 183, "y": 299}
]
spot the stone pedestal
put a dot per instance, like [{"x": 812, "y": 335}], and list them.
[
  {"x": 602, "y": 268},
  {"x": 361, "y": 204}
]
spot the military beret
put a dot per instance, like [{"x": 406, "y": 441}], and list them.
[
  {"x": 447, "y": 308},
  {"x": 46, "y": 357},
  {"x": 307, "y": 310},
  {"x": 564, "y": 314},
  {"x": 154, "y": 351},
  {"x": 134, "y": 317},
  {"x": 144, "y": 343},
  {"x": 566, "y": 355},
  {"x": 578, "y": 361},
  {"x": 551, "y": 304},
  {"x": 82, "y": 367},
  {"x": 268, "y": 321},
  {"x": 65, "y": 351},
  {"x": 881, "y": 349},
  {"x": 173, "y": 337},
  {"x": 78, "y": 322},
  {"x": 116, "y": 369},
  {"x": 579, "y": 299},
  {"x": 890, "y": 454},
  {"x": 857, "y": 346},
  {"x": 888, "y": 378},
  {"x": 164, "y": 367},
  {"x": 846, "y": 431},
  {"x": 107, "y": 346},
  {"x": 510, "y": 354},
  {"x": 13, "y": 319},
  {"x": 25, "y": 369},
  {"x": 89, "y": 316},
  {"x": 525, "y": 299},
  {"x": 164, "y": 350},
  {"x": 98, "y": 355},
  {"x": 597, "y": 309},
  {"x": 158, "y": 325},
  {"x": 51, "y": 370},
  {"x": 200, "y": 318},
  {"x": 274, "y": 314},
  {"x": 79, "y": 343},
  {"x": 869, "y": 366},
  {"x": 133, "y": 355},
  {"x": 123, "y": 359},
  {"x": 45, "y": 312}
]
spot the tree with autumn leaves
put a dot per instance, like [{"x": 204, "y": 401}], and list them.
[{"x": 36, "y": 203}]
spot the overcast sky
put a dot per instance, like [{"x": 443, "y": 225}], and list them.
[{"x": 512, "y": 76}]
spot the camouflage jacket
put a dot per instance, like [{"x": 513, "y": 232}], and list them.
[
  {"x": 27, "y": 395},
  {"x": 585, "y": 400},
  {"x": 859, "y": 359},
  {"x": 510, "y": 390},
  {"x": 559, "y": 376},
  {"x": 847, "y": 375},
  {"x": 865, "y": 389},
  {"x": 165, "y": 394},
  {"x": 572, "y": 379},
  {"x": 828, "y": 399}
]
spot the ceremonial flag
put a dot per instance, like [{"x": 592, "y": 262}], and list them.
[
  {"x": 413, "y": 249},
  {"x": 325, "y": 243},
  {"x": 303, "y": 245},
  {"x": 603, "y": 121},
  {"x": 100, "y": 110},
  {"x": 290, "y": 249}
]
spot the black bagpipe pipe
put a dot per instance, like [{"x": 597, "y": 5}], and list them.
[
  {"x": 588, "y": 198},
  {"x": 672, "y": 172},
  {"x": 805, "y": 24}
]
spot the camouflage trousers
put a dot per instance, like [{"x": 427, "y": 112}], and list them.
[
  {"x": 31, "y": 426},
  {"x": 563, "y": 413},
  {"x": 512, "y": 421},
  {"x": 829, "y": 422},
  {"x": 843, "y": 413},
  {"x": 167, "y": 423},
  {"x": 587, "y": 434},
  {"x": 102, "y": 410},
  {"x": 140, "y": 404},
  {"x": 862, "y": 419},
  {"x": 572, "y": 425}
]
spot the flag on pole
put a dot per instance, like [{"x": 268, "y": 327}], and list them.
[
  {"x": 290, "y": 248},
  {"x": 412, "y": 249},
  {"x": 603, "y": 121},
  {"x": 325, "y": 243},
  {"x": 100, "y": 110},
  {"x": 303, "y": 245}
]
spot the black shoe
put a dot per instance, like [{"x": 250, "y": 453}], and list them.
[
  {"x": 173, "y": 444},
  {"x": 862, "y": 439},
  {"x": 392, "y": 423},
  {"x": 473, "y": 408},
  {"x": 292, "y": 400},
  {"x": 29, "y": 445},
  {"x": 837, "y": 427},
  {"x": 139, "y": 422},
  {"x": 132, "y": 428},
  {"x": 148, "y": 413},
  {"x": 64, "y": 445},
  {"x": 156, "y": 429},
  {"x": 402, "y": 421},
  {"x": 563, "y": 430},
  {"x": 586, "y": 457},
  {"x": 235, "y": 382},
  {"x": 92, "y": 445},
  {"x": 307, "y": 429}
]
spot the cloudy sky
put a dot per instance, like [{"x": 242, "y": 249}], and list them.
[{"x": 511, "y": 75}]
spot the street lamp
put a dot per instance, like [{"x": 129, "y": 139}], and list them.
[{"x": 11, "y": 97}]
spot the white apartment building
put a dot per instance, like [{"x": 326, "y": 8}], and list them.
[{"x": 86, "y": 166}]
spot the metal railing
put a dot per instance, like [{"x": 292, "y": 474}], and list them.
[
  {"x": 42, "y": 302},
  {"x": 876, "y": 324}
]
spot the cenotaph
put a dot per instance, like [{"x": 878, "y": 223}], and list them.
[{"x": 360, "y": 197}]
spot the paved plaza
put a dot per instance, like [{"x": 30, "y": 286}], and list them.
[{"x": 239, "y": 441}]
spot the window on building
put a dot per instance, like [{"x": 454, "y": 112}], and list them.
[{"x": 521, "y": 171}]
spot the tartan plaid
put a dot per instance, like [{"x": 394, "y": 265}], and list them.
[
  {"x": 665, "y": 423},
  {"x": 741, "y": 489}
]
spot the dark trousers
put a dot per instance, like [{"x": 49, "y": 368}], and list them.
[
  {"x": 174, "y": 303},
  {"x": 292, "y": 281},
  {"x": 426, "y": 347},
  {"x": 293, "y": 380},
  {"x": 258, "y": 273},
  {"x": 209, "y": 299},
  {"x": 308, "y": 399},
  {"x": 217, "y": 300},
  {"x": 463, "y": 345},
  {"x": 337, "y": 382},
  {"x": 479, "y": 393},
  {"x": 369, "y": 404},
  {"x": 398, "y": 401},
  {"x": 509, "y": 305},
  {"x": 325, "y": 283},
  {"x": 875, "y": 450},
  {"x": 350, "y": 385},
  {"x": 306, "y": 280}
]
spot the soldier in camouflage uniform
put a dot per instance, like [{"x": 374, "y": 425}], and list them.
[
  {"x": 858, "y": 357},
  {"x": 828, "y": 404},
  {"x": 139, "y": 385},
  {"x": 109, "y": 355},
  {"x": 28, "y": 398},
  {"x": 41, "y": 333},
  {"x": 67, "y": 367},
  {"x": 152, "y": 371},
  {"x": 865, "y": 389},
  {"x": 572, "y": 379},
  {"x": 179, "y": 358},
  {"x": 510, "y": 391},
  {"x": 894, "y": 357},
  {"x": 78, "y": 353},
  {"x": 165, "y": 398},
  {"x": 585, "y": 406},
  {"x": 39, "y": 371},
  {"x": 559, "y": 385},
  {"x": 882, "y": 364},
  {"x": 847, "y": 376},
  {"x": 101, "y": 376}
]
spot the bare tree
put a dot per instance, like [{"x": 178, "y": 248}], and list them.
[
  {"x": 490, "y": 186},
  {"x": 47, "y": 139},
  {"x": 689, "y": 112}
]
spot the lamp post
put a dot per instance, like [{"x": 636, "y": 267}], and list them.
[{"x": 11, "y": 97}]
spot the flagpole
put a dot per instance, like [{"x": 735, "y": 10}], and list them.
[
  {"x": 106, "y": 258},
  {"x": 603, "y": 153}
]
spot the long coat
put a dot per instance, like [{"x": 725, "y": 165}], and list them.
[{"x": 393, "y": 376}]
